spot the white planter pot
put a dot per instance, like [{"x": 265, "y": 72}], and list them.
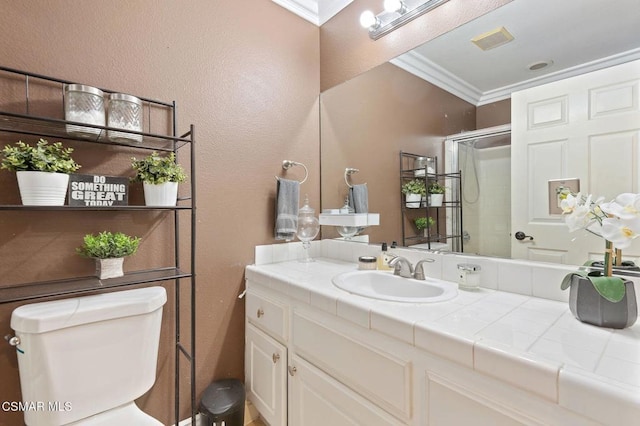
[
  {"x": 164, "y": 194},
  {"x": 436, "y": 200},
  {"x": 42, "y": 188},
  {"x": 413, "y": 201},
  {"x": 109, "y": 268}
]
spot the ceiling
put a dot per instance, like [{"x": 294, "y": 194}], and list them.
[{"x": 577, "y": 35}]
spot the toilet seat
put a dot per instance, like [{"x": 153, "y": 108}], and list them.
[{"x": 128, "y": 414}]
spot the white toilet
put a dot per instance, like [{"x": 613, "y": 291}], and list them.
[{"x": 83, "y": 361}]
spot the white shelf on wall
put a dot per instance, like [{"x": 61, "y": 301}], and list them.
[{"x": 350, "y": 219}]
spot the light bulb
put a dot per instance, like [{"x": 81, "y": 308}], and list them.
[
  {"x": 368, "y": 19},
  {"x": 391, "y": 6}
]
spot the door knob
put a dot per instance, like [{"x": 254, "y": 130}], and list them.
[
  {"x": 521, "y": 236},
  {"x": 292, "y": 370},
  {"x": 275, "y": 357}
]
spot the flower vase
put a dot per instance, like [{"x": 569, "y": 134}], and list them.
[
  {"x": 588, "y": 306},
  {"x": 109, "y": 268},
  {"x": 413, "y": 201}
]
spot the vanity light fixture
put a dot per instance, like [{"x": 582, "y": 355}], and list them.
[{"x": 396, "y": 13}]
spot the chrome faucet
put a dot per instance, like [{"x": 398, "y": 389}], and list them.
[
  {"x": 419, "y": 268},
  {"x": 402, "y": 267}
]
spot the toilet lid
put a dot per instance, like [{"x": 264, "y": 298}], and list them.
[{"x": 128, "y": 414}]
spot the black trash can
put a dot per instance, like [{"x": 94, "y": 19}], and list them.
[{"x": 223, "y": 401}]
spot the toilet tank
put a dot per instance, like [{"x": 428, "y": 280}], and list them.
[{"x": 81, "y": 356}]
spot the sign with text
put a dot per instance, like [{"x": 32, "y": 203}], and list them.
[{"x": 95, "y": 190}]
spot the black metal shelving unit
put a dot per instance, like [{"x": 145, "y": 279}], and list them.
[
  {"x": 451, "y": 208},
  {"x": 27, "y": 123}
]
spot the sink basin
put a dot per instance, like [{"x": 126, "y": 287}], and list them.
[{"x": 386, "y": 286}]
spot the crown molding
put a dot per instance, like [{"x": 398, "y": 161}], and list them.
[
  {"x": 306, "y": 9},
  {"x": 420, "y": 66}
]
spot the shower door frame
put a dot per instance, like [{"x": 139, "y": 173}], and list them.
[{"x": 452, "y": 163}]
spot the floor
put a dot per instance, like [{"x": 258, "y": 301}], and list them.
[{"x": 256, "y": 422}]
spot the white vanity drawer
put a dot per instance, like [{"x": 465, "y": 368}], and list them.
[
  {"x": 268, "y": 315},
  {"x": 380, "y": 377}
]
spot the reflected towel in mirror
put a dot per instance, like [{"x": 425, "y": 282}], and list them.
[
  {"x": 287, "y": 202},
  {"x": 359, "y": 198}
]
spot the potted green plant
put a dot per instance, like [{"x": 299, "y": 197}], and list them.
[
  {"x": 42, "y": 171},
  {"x": 414, "y": 190},
  {"x": 160, "y": 177},
  {"x": 596, "y": 296},
  {"x": 436, "y": 194},
  {"x": 423, "y": 224},
  {"x": 109, "y": 250}
]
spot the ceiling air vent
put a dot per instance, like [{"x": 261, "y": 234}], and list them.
[{"x": 493, "y": 38}]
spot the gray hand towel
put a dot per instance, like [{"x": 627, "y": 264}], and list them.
[
  {"x": 287, "y": 201},
  {"x": 359, "y": 198}
]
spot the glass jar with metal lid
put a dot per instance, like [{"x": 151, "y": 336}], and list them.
[
  {"x": 84, "y": 104},
  {"x": 124, "y": 112},
  {"x": 424, "y": 164}
]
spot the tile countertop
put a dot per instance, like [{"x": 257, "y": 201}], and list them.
[{"x": 533, "y": 343}]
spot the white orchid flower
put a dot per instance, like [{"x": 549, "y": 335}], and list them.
[
  {"x": 620, "y": 231},
  {"x": 580, "y": 218},
  {"x": 625, "y": 206},
  {"x": 570, "y": 202}
]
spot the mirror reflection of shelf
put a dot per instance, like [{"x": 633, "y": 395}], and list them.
[{"x": 350, "y": 219}]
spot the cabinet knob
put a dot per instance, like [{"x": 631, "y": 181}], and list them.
[
  {"x": 260, "y": 312},
  {"x": 275, "y": 357},
  {"x": 292, "y": 371}
]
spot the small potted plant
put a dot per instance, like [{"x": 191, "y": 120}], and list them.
[
  {"x": 42, "y": 171},
  {"x": 160, "y": 177},
  {"x": 436, "y": 194},
  {"x": 109, "y": 250},
  {"x": 423, "y": 224},
  {"x": 414, "y": 190}
]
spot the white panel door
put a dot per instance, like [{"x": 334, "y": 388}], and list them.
[{"x": 585, "y": 127}]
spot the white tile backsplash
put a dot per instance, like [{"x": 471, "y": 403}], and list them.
[
  {"x": 536, "y": 279},
  {"x": 515, "y": 278}
]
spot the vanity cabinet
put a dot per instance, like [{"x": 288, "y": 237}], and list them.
[
  {"x": 340, "y": 373},
  {"x": 292, "y": 382},
  {"x": 266, "y": 356}
]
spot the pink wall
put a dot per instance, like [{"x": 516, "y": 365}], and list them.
[{"x": 246, "y": 73}]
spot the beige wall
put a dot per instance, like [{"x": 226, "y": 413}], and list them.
[
  {"x": 347, "y": 51},
  {"x": 493, "y": 114},
  {"x": 246, "y": 73},
  {"x": 367, "y": 121}
]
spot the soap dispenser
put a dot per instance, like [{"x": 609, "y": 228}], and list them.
[{"x": 383, "y": 259}]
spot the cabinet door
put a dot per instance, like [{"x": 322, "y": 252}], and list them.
[
  {"x": 266, "y": 375},
  {"x": 316, "y": 399}
]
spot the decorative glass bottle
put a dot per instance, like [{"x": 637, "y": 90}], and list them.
[
  {"x": 308, "y": 228},
  {"x": 347, "y": 232}
]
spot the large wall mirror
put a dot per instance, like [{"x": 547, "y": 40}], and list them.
[{"x": 451, "y": 99}]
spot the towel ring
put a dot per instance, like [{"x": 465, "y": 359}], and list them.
[
  {"x": 348, "y": 172},
  {"x": 287, "y": 164}
]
